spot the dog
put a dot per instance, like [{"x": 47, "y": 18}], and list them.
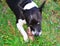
[{"x": 27, "y": 12}]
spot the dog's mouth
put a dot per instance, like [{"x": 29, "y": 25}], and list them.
[{"x": 36, "y": 29}]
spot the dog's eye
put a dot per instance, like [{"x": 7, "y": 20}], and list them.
[{"x": 38, "y": 23}]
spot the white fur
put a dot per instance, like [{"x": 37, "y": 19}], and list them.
[
  {"x": 34, "y": 32},
  {"x": 40, "y": 33},
  {"x": 21, "y": 29},
  {"x": 30, "y": 5},
  {"x": 21, "y": 22}
]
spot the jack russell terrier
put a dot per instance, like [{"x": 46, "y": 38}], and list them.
[{"x": 27, "y": 12}]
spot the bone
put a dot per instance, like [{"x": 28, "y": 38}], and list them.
[{"x": 30, "y": 35}]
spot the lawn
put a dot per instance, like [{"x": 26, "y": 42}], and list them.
[{"x": 10, "y": 36}]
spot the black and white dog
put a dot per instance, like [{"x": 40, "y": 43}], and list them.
[{"x": 27, "y": 12}]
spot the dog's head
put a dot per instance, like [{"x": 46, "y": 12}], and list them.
[{"x": 33, "y": 18}]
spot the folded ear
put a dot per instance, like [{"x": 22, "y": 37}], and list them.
[{"x": 42, "y": 5}]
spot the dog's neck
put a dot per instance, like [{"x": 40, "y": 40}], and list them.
[{"x": 30, "y": 5}]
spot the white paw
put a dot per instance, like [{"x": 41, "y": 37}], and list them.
[{"x": 26, "y": 38}]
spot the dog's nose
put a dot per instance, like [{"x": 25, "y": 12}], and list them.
[{"x": 38, "y": 33}]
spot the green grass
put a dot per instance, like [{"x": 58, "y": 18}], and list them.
[{"x": 10, "y": 36}]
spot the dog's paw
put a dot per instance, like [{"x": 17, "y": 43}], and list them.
[{"x": 26, "y": 39}]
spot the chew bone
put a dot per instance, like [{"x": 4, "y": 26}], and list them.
[{"x": 30, "y": 35}]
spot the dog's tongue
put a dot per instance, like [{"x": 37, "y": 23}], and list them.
[{"x": 30, "y": 35}]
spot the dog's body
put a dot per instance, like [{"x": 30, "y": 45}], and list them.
[{"x": 27, "y": 12}]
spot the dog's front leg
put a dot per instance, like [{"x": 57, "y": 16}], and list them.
[{"x": 21, "y": 29}]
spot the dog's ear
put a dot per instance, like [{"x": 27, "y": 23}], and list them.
[{"x": 42, "y": 5}]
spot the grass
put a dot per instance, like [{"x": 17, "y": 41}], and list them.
[{"x": 10, "y": 36}]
